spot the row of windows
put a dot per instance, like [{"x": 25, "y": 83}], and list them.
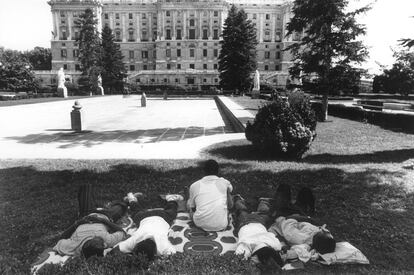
[
  {"x": 190, "y": 80},
  {"x": 169, "y": 67},
  {"x": 168, "y": 36},
  {"x": 64, "y": 53},
  {"x": 144, "y": 16}
]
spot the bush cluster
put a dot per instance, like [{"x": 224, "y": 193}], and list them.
[{"x": 284, "y": 128}]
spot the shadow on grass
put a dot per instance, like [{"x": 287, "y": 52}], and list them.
[
  {"x": 243, "y": 150},
  {"x": 371, "y": 209}
]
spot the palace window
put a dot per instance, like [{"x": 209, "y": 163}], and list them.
[
  {"x": 144, "y": 36},
  {"x": 254, "y": 16},
  {"x": 266, "y": 67},
  {"x": 144, "y": 54},
  {"x": 205, "y": 66},
  {"x": 77, "y": 67},
  {"x": 215, "y": 34},
  {"x": 168, "y": 53},
  {"x": 132, "y": 67},
  {"x": 130, "y": 16},
  {"x": 267, "y": 55},
  {"x": 277, "y": 68},
  {"x": 168, "y": 66},
  {"x": 215, "y": 13},
  {"x": 179, "y": 66},
  {"x": 192, "y": 23},
  {"x": 215, "y": 52},
  {"x": 267, "y": 16},
  {"x": 168, "y": 34},
  {"x": 106, "y": 16},
  {"x": 118, "y": 36},
  {"x": 75, "y": 53},
  {"x": 178, "y": 34},
  {"x": 205, "y": 34},
  {"x": 62, "y": 14},
  {"x": 63, "y": 53},
  {"x": 191, "y": 52},
  {"x": 192, "y": 66},
  {"x": 131, "y": 35},
  {"x": 205, "y": 80},
  {"x": 144, "y": 16},
  {"x": 65, "y": 66},
  {"x": 178, "y": 52},
  {"x": 205, "y": 52},
  {"x": 278, "y": 36},
  {"x": 215, "y": 66},
  {"x": 191, "y": 34},
  {"x": 145, "y": 67},
  {"x": 277, "y": 55},
  {"x": 131, "y": 54},
  {"x": 116, "y": 15},
  {"x": 167, "y": 13}
]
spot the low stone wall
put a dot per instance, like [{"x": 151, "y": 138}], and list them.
[{"x": 237, "y": 126}]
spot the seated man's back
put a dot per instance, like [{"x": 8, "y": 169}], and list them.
[{"x": 209, "y": 197}]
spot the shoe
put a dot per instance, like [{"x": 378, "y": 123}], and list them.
[{"x": 172, "y": 197}]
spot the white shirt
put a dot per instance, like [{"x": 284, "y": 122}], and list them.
[
  {"x": 209, "y": 197},
  {"x": 254, "y": 236},
  {"x": 155, "y": 228},
  {"x": 295, "y": 232}
]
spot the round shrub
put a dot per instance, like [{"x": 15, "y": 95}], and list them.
[{"x": 284, "y": 128}]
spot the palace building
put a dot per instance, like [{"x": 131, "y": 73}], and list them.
[{"x": 173, "y": 42}]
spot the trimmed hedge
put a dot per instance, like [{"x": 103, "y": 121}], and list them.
[{"x": 393, "y": 121}]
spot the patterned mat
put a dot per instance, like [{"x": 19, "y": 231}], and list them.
[{"x": 187, "y": 238}]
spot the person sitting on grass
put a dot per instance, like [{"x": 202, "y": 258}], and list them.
[
  {"x": 294, "y": 226},
  {"x": 210, "y": 199},
  {"x": 151, "y": 236},
  {"x": 254, "y": 239},
  {"x": 93, "y": 233}
]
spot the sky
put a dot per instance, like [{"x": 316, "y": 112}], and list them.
[{"x": 25, "y": 24}]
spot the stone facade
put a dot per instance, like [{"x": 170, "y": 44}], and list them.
[{"x": 174, "y": 42}]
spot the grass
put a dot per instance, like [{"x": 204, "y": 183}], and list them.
[{"x": 363, "y": 194}]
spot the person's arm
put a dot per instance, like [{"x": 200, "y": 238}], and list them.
[
  {"x": 112, "y": 239},
  {"x": 191, "y": 200},
  {"x": 230, "y": 202},
  {"x": 112, "y": 227}
]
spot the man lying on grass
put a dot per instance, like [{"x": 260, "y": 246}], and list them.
[
  {"x": 93, "y": 233},
  {"x": 151, "y": 236}
]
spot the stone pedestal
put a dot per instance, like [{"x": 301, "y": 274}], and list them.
[
  {"x": 77, "y": 118},
  {"x": 255, "y": 93},
  {"x": 101, "y": 90},
  {"x": 165, "y": 96},
  {"x": 62, "y": 92},
  {"x": 143, "y": 100}
]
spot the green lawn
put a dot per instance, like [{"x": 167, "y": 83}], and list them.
[{"x": 363, "y": 194}]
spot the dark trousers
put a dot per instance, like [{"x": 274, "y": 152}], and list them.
[
  {"x": 244, "y": 217},
  {"x": 169, "y": 213}
]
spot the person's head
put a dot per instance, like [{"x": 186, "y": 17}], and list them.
[
  {"x": 147, "y": 247},
  {"x": 93, "y": 247},
  {"x": 323, "y": 242},
  {"x": 268, "y": 258},
  {"x": 283, "y": 196},
  {"x": 211, "y": 167},
  {"x": 116, "y": 211}
]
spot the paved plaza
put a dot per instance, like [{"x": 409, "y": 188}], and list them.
[{"x": 116, "y": 127}]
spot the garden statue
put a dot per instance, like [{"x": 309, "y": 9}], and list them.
[
  {"x": 61, "y": 89},
  {"x": 256, "y": 85},
  {"x": 100, "y": 88}
]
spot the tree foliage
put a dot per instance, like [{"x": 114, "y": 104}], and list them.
[
  {"x": 40, "y": 58},
  {"x": 15, "y": 72},
  {"x": 237, "y": 59},
  {"x": 399, "y": 78},
  {"x": 113, "y": 69},
  {"x": 329, "y": 45},
  {"x": 89, "y": 47}
]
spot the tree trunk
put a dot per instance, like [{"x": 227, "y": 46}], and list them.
[{"x": 325, "y": 106}]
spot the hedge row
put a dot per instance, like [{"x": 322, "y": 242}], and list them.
[
  {"x": 25, "y": 96},
  {"x": 393, "y": 121}
]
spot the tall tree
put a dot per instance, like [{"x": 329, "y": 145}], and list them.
[
  {"x": 237, "y": 59},
  {"x": 40, "y": 58},
  {"x": 89, "y": 47},
  {"x": 329, "y": 43},
  {"x": 113, "y": 69}
]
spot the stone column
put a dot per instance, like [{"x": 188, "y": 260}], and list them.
[
  {"x": 124, "y": 28},
  {"x": 173, "y": 18},
  {"x": 260, "y": 27},
  {"x": 210, "y": 28},
  {"x": 150, "y": 26},
  {"x": 57, "y": 25},
  {"x": 69, "y": 17},
  {"x": 200, "y": 24},
  {"x": 184, "y": 34},
  {"x": 162, "y": 25},
  {"x": 138, "y": 28},
  {"x": 111, "y": 20},
  {"x": 273, "y": 17}
]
